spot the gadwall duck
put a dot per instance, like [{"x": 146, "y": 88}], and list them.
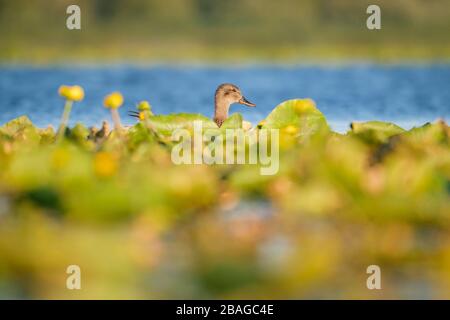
[{"x": 226, "y": 95}]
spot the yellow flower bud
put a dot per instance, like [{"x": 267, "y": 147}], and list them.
[
  {"x": 113, "y": 101},
  {"x": 72, "y": 93},
  {"x": 144, "y": 106}
]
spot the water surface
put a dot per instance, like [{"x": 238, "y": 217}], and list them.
[{"x": 406, "y": 94}]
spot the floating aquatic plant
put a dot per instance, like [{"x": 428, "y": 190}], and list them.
[
  {"x": 127, "y": 197},
  {"x": 71, "y": 94},
  {"x": 144, "y": 106},
  {"x": 113, "y": 102},
  {"x": 145, "y": 110},
  {"x": 297, "y": 116}
]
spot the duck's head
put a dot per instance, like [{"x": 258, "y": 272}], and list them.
[
  {"x": 230, "y": 94},
  {"x": 226, "y": 95}
]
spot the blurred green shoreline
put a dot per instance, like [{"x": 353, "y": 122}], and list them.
[
  {"x": 236, "y": 31},
  {"x": 230, "y": 55}
]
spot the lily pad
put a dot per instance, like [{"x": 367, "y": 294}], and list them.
[
  {"x": 233, "y": 122},
  {"x": 166, "y": 124},
  {"x": 47, "y": 134},
  {"x": 16, "y": 125},
  {"x": 79, "y": 132},
  {"x": 375, "y": 131},
  {"x": 21, "y": 129},
  {"x": 298, "y": 113},
  {"x": 430, "y": 133}
]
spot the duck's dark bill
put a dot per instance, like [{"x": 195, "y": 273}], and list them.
[{"x": 246, "y": 102}]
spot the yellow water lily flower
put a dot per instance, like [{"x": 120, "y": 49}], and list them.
[
  {"x": 72, "y": 93},
  {"x": 144, "y": 106},
  {"x": 114, "y": 100},
  {"x": 290, "y": 129},
  {"x": 304, "y": 105},
  {"x": 105, "y": 164}
]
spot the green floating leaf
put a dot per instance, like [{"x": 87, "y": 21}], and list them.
[
  {"x": 430, "y": 132},
  {"x": 375, "y": 131},
  {"x": 21, "y": 129},
  {"x": 233, "y": 122},
  {"x": 300, "y": 114},
  {"x": 166, "y": 124},
  {"x": 386, "y": 127},
  {"x": 16, "y": 125},
  {"x": 47, "y": 135},
  {"x": 138, "y": 134},
  {"x": 79, "y": 132}
]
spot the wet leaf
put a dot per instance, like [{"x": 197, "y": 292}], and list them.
[
  {"x": 298, "y": 114},
  {"x": 166, "y": 124},
  {"x": 233, "y": 122},
  {"x": 375, "y": 131}
]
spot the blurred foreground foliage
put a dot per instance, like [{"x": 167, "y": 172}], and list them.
[{"x": 141, "y": 227}]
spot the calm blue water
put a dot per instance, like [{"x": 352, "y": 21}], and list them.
[{"x": 407, "y": 95}]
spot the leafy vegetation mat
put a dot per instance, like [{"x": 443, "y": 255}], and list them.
[{"x": 139, "y": 226}]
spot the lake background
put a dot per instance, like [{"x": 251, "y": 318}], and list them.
[
  {"x": 409, "y": 95},
  {"x": 175, "y": 53}
]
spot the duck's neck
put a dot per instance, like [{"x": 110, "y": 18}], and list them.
[{"x": 221, "y": 111}]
